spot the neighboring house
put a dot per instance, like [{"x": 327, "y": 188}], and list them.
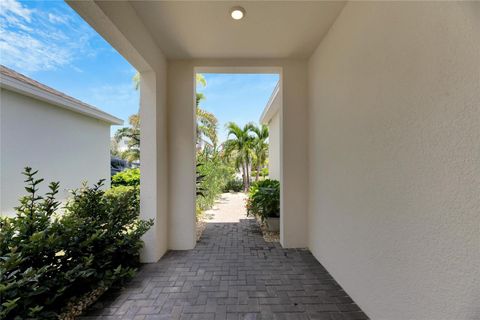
[
  {"x": 272, "y": 116},
  {"x": 63, "y": 138}
]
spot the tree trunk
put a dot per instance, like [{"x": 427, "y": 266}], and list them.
[
  {"x": 244, "y": 177},
  {"x": 258, "y": 173},
  {"x": 248, "y": 174}
]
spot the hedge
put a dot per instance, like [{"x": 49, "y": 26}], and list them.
[
  {"x": 47, "y": 259},
  {"x": 264, "y": 199},
  {"x": 128, "y": 177}
]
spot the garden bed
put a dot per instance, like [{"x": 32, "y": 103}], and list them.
[
  {"x": 270, "y": 236},
  {"x": 200, "y": 228},
  {"x": 264, "y": 204},
  {"x": 77, "y": 307}
]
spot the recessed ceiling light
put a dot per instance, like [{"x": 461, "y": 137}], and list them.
[{"x": 237, "y": 13}]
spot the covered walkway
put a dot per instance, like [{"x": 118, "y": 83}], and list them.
[{"x": 232, "y": 273}]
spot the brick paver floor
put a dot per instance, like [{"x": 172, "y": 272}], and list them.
[{"x": 231, "y": 274}]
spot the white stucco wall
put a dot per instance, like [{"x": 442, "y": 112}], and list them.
[
  {"x": 274, "y": 135},
  {"x": 394, "y": 158},
  {"x": 62, "y": 145}
]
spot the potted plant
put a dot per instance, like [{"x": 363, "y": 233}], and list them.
[{"x": 264, "y": 203}]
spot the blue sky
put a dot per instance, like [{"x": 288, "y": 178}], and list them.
[
  {"x": 236, "y": 97},
  {"x": 49, "y": 42}
]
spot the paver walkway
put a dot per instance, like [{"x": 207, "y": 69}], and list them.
[
  {"x": 229, "y": 208},
  {"x": 231, "y": 274}
]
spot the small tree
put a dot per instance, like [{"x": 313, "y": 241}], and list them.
[
  {"x": 132, "y": 134},
  {"x": 260, "y": 147},
  {"x": 239, "y": 146}
]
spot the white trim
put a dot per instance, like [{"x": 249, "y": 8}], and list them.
[
  {"x": 16, "y": 85},
  {"x": 271, "y": 108}
]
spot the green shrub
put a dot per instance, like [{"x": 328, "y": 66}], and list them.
[
  {"x": 129, "y": 177},
  {"x": 212, "y": 176},
  {"x": 235, "y": 185},
  {"x": 264, "y": 172},
  {"x": 199, "y": 177},
  {"x": 264, "y": 199},
  {"x": 46, "y": 260}
]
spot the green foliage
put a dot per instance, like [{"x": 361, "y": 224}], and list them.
[
  {"x": 217, "y": 163},
  {"x": 212, "y": 176},
  {"x": 235, "y": 185},
  {"x": 129, "y": 177},
  {"x": 260, "y": 147},
  {"x": 239, "y": 148},
  {"x": 200, "y": 191},
  {"x": 136, "y": 80},
  {"x": 264, "y": 199},
  {"x": 207, "y": 123},
  {"x": 132, "y": 135},
  {"x": 264, "y": 172},
  {"x": 48, "y": 259}
]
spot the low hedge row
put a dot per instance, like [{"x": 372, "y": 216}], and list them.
[
  {"x": 235, "y": 185},
  {"x": 128, "y": 177},
  {"x": 49, "y": 259}
]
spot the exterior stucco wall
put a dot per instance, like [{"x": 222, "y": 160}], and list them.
[
  {"x": 394, "y": 157},
  {"x": 274, "y": 135},
  {"x": 62, "y": 145}
]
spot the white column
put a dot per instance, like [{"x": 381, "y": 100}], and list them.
[
  {"x": 153, "y": 166},
  {"x": 181, "y": 155},
  {"x": 293, "y": 160}
]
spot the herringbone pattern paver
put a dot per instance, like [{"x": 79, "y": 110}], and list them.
[{"x": 231, "y": 274}]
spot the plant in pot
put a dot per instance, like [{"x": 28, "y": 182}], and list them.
[{"x": 264, "y": 203}]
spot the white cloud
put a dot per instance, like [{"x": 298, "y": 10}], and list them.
[
  {"x": 35, "y": 40},
  {"x": 11, "y": 10},
  {"x": 53, "y": 18},
  {"x": 115, "y": 95},
  {"x": 27, "y": 53}
]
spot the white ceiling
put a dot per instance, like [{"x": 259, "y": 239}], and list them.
[{"x": 270, "y": 29}]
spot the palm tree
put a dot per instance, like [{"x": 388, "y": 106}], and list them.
[
  {"x": 260, "y": 146},
  {"x": 207, "y": 123},
  {"x": 239, "y": 146},
  {"x": 132, "y": 134},
  {"x": 200, "y": 78},
  {"x": 136, "y": 80}
]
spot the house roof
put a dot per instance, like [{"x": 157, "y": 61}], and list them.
[
  {"x": 273, "y": 105},
  {"x": 14, "y": 81}
]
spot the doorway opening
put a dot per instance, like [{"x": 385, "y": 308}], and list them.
[{"x": 238, "y": 119}]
